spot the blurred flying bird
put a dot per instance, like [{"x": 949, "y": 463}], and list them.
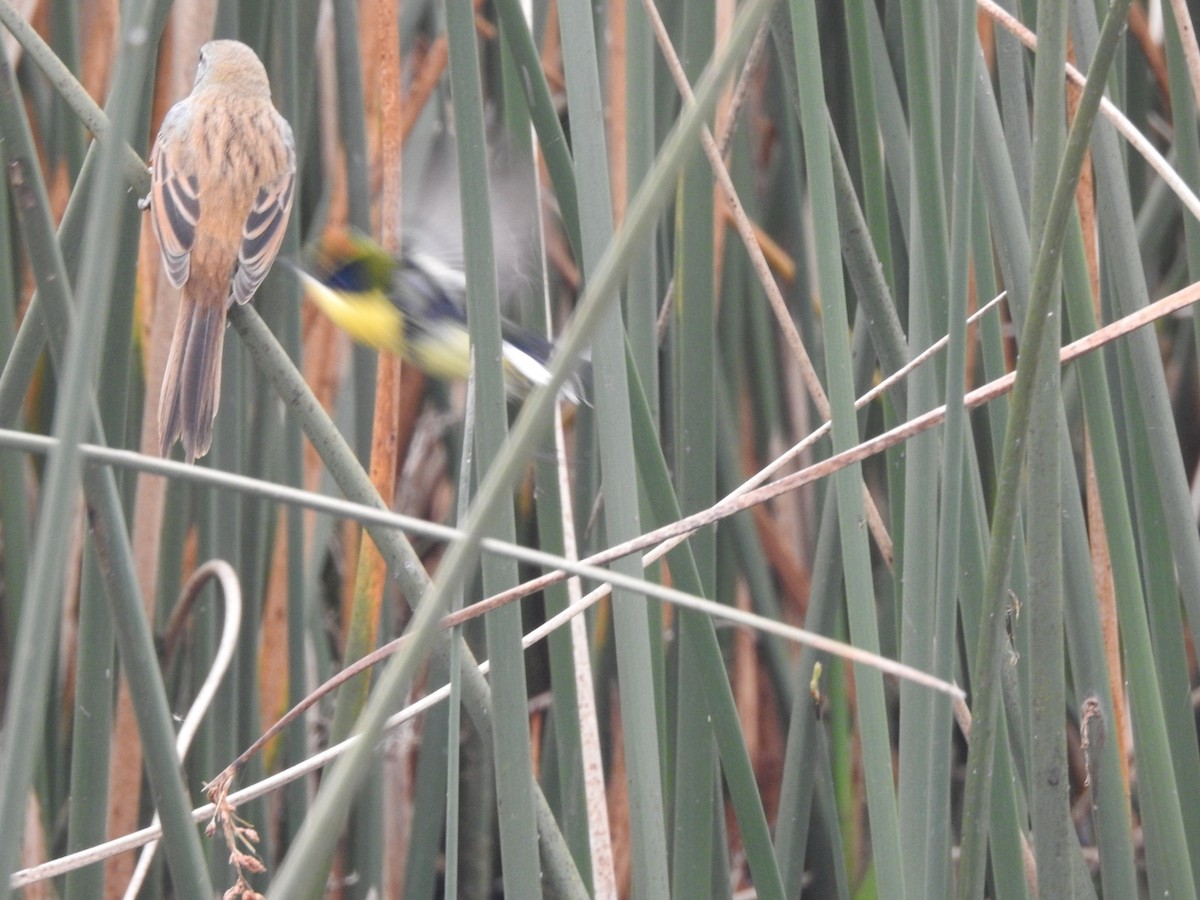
[
  {"x": 414, "y": 306},
  {"x": 222, "y": 182}
]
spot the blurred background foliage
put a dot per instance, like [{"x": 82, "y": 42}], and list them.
[{"x": 897, "y": 165}]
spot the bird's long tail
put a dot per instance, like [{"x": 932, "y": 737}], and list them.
[{"x": 192, "y": 381}]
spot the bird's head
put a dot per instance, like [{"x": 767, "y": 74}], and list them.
[
  {"x": 231, "y": 66},
  {"x": 347, "y": 260}
]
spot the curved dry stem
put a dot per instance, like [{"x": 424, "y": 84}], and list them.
[{"x": 231, "y": 592}]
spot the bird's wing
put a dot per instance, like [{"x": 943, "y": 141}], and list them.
[
  {"x": 263, "y": 232},
  {"x": 433, "y": 216},
  {"x": 174, "y": 205}
]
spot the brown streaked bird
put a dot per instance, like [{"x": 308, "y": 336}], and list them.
[{"x": 223, "y": 172}]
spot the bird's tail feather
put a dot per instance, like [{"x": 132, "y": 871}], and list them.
[{"x": 192, "y": 382}]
